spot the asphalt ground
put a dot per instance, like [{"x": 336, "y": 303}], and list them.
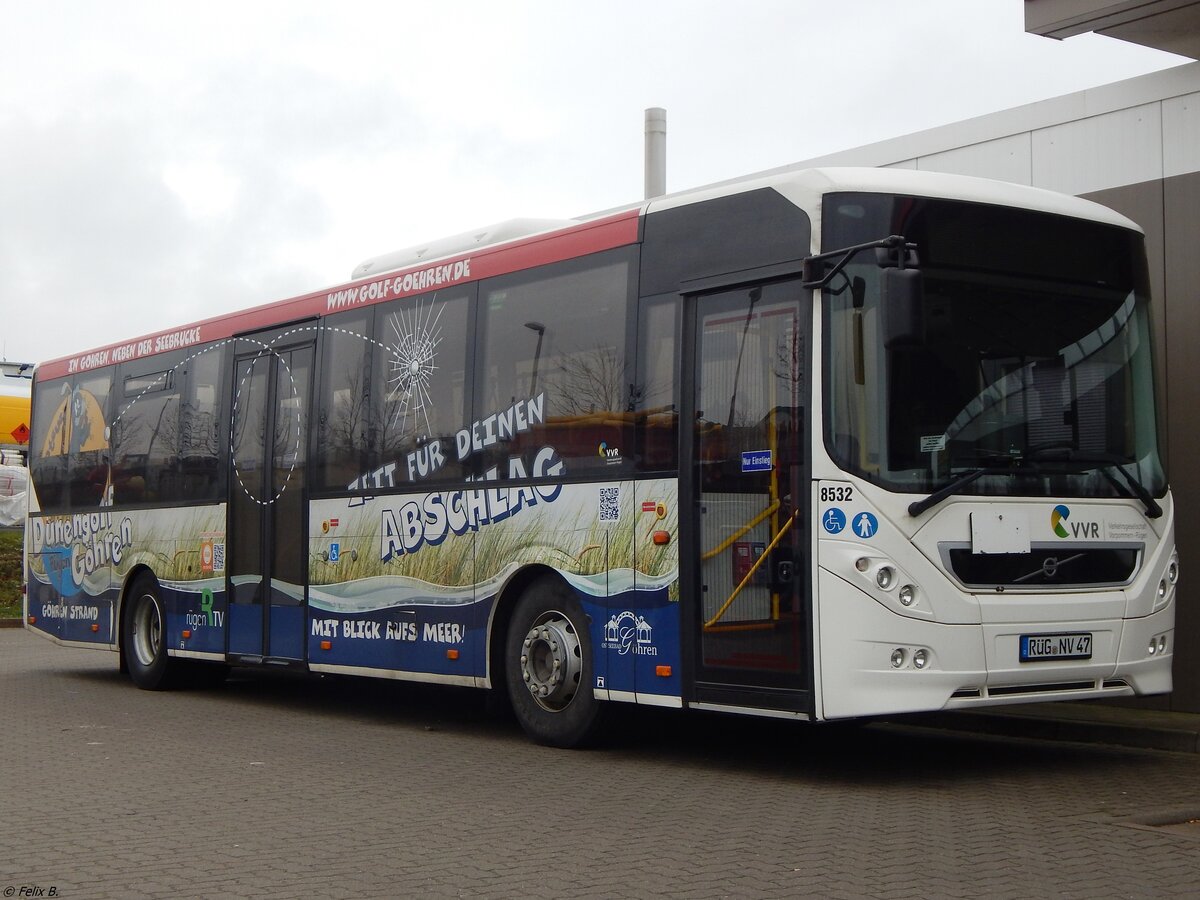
[{"x": 277, "y": 785}]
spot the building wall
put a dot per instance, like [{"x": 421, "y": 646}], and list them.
[
  {"x": 1133, "y": 146},
  {"x": 1181, "y": 218}
]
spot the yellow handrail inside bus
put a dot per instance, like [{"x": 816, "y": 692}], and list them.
[
  {"x": 754, "y": 568},
  {"x": 741, "y": 532}
]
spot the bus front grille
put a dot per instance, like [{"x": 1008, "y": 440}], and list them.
[{"x": 1043, "y": 567}]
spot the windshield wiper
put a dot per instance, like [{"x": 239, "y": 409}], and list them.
[
  {"x": 986, "y": 464},
  {"x": 1132, "y": 487},
  {"x": 919, "y": 506}
]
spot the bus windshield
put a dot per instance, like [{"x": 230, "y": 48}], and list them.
[{"x": 1032, "y": 374}]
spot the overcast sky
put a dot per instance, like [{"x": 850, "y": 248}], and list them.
[{"x": 159, "y": 167}]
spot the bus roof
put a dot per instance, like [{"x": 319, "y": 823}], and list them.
[
  {"x": 805, "y": 187},
  {"x": 511, "y": 247},
  {"x": 579, "y": 239}
]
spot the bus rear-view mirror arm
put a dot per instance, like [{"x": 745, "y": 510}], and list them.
[{"x": 901, "y": 307}]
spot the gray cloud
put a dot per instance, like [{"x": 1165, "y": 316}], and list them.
[{"x": 164, "y": 164}]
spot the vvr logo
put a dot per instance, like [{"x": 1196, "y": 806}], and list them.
[
  {"x": 1059, "y": 523},
  {"x": 1059, "y": 515}
]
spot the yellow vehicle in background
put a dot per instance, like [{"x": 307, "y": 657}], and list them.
[{"x": 14, "y": 409}]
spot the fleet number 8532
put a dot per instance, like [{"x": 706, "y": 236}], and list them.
[{"x": 838, "y": 493}]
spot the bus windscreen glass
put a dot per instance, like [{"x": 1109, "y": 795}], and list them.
[{"x": 1033, "y": 368}]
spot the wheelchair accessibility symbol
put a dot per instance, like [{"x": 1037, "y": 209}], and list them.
[{"x": 834, "y": 520}]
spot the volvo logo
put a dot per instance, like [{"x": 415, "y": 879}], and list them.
[{"x": 1049, "y": 568}]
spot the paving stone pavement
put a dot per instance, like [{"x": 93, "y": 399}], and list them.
[{"x": 285, "y": 786}]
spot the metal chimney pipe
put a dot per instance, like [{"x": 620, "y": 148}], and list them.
[{"x": 656, "y": 152}]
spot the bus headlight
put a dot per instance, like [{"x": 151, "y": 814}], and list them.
[
  {"x": 921, "y": 659},
  {"x": 885, "y": 577},
  {"x": 908, "y": 595},
  {"x": 1162, "y": 589},
  {"x": 1173, "y": 570},
  {"x": 898, "y": 657}
]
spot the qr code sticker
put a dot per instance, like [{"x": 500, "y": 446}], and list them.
[
  {"x": 218, "y": 557},
  {"x": 610, "y": 504}
]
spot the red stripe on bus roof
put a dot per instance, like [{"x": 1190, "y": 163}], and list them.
[{"x": 590, "y": 237}]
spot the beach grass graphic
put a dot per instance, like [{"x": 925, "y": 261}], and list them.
[{"x": 565, "y": 535}]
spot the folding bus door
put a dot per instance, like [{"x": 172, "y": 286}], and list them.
[
  {"x": 749, "y": 546},
  {"x": 267, "y": 554}
]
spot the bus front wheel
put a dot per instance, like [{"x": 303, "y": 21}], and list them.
[
  {"x": 144, "y": 637},
  {"x": 549, "y": 666}
]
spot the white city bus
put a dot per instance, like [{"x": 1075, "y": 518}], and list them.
[{"x": 823, "y": 444}]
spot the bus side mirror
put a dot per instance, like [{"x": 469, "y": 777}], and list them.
[{"x": 902, "y": 308}]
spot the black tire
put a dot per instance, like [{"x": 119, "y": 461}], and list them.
[
  {"x": 144, "y": 637},
  {"x": 549, "y": 666}
]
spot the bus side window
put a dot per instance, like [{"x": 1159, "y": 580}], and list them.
[
  {"x": 146, "y": 433},
  {"x": 418, "y": 387},
  {"x": 554, "y": 373},
  {"x": 50, "y": 442},
  {"x": 84, "y": 413},
  {"x": 656, "y": 391},
  {"x": 200, "y": 423},
  {"x": 343, "y": 405}
]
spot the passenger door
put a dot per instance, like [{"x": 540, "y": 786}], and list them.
[
  {"x": 268, "y": 503},
  {"x": 748, "y": 603}
]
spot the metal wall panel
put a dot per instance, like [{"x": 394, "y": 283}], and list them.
[
  {"x": 1110, "y": 150},
  {"x": 1005, "y": 159},
  {"x": 1181, "y": 135},
  {"x": 1182, "y": 227}
]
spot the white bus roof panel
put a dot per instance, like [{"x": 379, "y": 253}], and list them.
[{"x": 805, "y": 186}]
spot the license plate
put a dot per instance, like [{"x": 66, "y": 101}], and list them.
[{"x": 1042, "y": 647}]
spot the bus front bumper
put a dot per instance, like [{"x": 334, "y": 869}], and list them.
[{"x": 872, "y": 661}]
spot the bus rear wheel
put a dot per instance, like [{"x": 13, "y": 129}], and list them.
[
  {"x": 144, "y": 637},
  {"x": 549, "y": 666}
]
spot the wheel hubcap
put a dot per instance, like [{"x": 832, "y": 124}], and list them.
[
  {"x": 551, "y": 661},
  {"x": 147, "y": 631}
]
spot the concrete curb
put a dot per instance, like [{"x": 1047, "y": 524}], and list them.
[{"x": 10, "y": 623}]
